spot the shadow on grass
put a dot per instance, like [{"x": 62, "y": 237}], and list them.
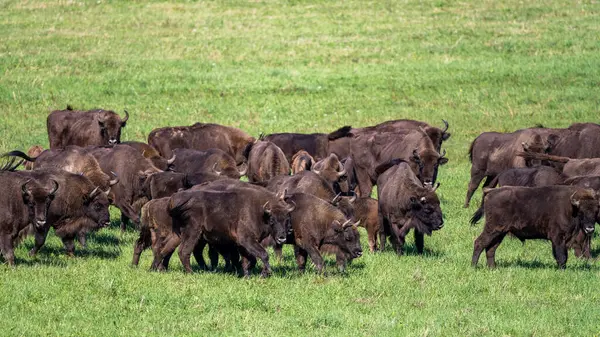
[
  {"x": 572, "y": 264},
  {"x": 411, "y": 250}
]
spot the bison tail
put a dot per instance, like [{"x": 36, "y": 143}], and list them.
[
  {"x": 386, "y": 166},
  {"x": 340, "y": 133},
  {"x": 478, "y": 214},
  {"x": 19, "y": 154},
  {"x": 471, "y": 150},
  {"x": 12, "y": 161}
]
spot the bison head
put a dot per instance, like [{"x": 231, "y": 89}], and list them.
[
  {"x": 95, "y": 205},
  {"x": 427, "y": 163},
  {"x": 585, "y": 209},
  {"x": 277, "y": 214},
  {"x": 437, "y": 135},
  {"x": 348, "y": 238},
  {"x": 110, "y": 127},
  {"x": 301, "y": 161},
  {"x": 332, "y": 170},
  {"x": 38, "y": 201},
  {"x": 426, "y": 211},
  {"x": 345, "y": 204}
]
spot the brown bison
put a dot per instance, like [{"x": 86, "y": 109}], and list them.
[
  {"x": 364, "y": 210},
  {"x": 84, "y": 128},
  {"x": 22, "y": 201},
  {"x": 492, "y": 153},
  {"x": 369, "y": 150},
  {"x": 571, "y": 167},
  {"x": 316, "y": 144},
  {"x": 33, "y": 152},
  {"x": 149, "y": 152},
  {"x": 404, "y": 204},
  {"x": 316, "y": 223},
  {"x": 554, "y": 213},
  {"x": 265, "y": 161},
  {"x": 213, "y": 161},
  {"x": 332, "y": 170},
  {"x": 201, "y": 136},
  {"x": 302, "y": 161}
]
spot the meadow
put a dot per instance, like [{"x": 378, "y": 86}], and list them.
[{"x": 303, "y": 66}]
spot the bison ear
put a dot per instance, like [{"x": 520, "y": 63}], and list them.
[
  {"x": 337, "y": 226},
  {"x": 415, "y": 157},
  {"x": 445, "y": 136},
  {"x": 443, "y": 161}
]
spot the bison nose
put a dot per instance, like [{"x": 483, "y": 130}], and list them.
[
  {"x": 281, "y": 239},
  {"x": 112, "y": 141},
  {"x": 589, "y": 230},
  {"x": 428, "y": 183},
  {"x": 40, "y": 223},
  {"x": 358, "y": 253}
]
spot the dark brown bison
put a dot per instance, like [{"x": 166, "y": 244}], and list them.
[
  {"x": 404, "y": 204},
  {"x": 84, "y": 128},
  {"x": 201, "y": 136},
  {"x": 341, "y": 146},
  {"x": 22, "y": 201},
  {"x": 554, "y": 213},
  {"x": 214, "y": 161},
  {"x": 571, "y": 167},
  {"x": 243, "y": 218},
  {"x": 578, "y": 141},
  {"x": 78, "y": 208},
  {"x": 301, "y": 161},
  {"x": 583, "y": 243},
  {"x": 332, "y": 170},
  {"x": 316, "y": 223},
  {"x": 316, "y": 144},
  {"x": 265, "y": 161},
  {"x": 149, "y": 152},
  {"x": 133, "y": 170},
  {"x": 492, "y": 153},
  {"x": 73, "y": 159},
  {"x": 369, "y": 150},
  {"x": 33, "y": 152}
]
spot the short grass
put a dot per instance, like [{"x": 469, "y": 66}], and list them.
[{"x": 303, "y": 66}]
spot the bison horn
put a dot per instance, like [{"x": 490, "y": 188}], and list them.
[
  {"x": 443, "y": 154},
  {"x": 353, "y": 199},
  {"x": 348, "y": 223},
  {"x": 113, "y": 181},
  {"x": 107, "y": 191},
  {"x": 282, "y": 196},
  {"x": 172, "y": 160},
  {"x": 244, "y": 170},
  {"x": 24, "y": 186},
  {"x": 215, "y": 169},
  {"x": 574, "y": 201},
  {"x": 356, "y": 224},
  {"x": 336, "y": 198},
  {"x": 94, "y": 192},
  {"x": 341, "y": 173},
  {"x": 55, "y": 188},
  {"x": 436, "y": 187},
  {"x": 268, "y": 211},
  {"x": 126, "y": 116},
  {"x": 445, "y": 126},
  {"x": 291, "y": 207},
  {"x": 316, "y": 171}
]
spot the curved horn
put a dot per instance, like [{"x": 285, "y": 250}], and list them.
[
  {"x": 283, "y": 194},
  {"x": 55, "y": 188},
  {"x": 356, "y": 224},
  {"x": 126, "y": 117},
  {"x": 316, "y": 171},
  {"x": 443, "y": 154},
  {"x": 244, "y": 170},
  {"x": 336, "y": 198},
  {"x": 445, "y": 126},
  {"x": 172, "y": 160},
  {"x": 107, "y": 191},
  {"x": 353, "y": 199},
  {"x": 348, "y": 223},
  {"x": 291, "y": 207},
  {"x": 341, "y": 173},
  {"x": 574, "y": 202},
  {"x": 436, "y": 187},
  {"x": 113, "y": 181},
  {"x": 265, "y": 208},
  {"x": 214, "y": 168},
  {"x": 24, "y": 186},
  {"x": 94, "y": 192}
]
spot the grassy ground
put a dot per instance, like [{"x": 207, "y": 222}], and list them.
[{"x": 303, "y": 66}]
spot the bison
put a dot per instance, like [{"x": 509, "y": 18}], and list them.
[
  {"x": 265, "y": 161},
  {"x": 316, "y": 144},
  {"x": 571, "y": 167},
  {"x": 215, "y": 161},
  {"x": 301, "y": 161},
  {"x": 149, "y": 152},
  {"x": 364, "y": 210},
  {"x": 201, "y": 136},
  {"x": 404, "y": 204},
  {"x": 555, "y": 213},
  {"x": 332, "y": 170},
  {"x": 84, "y": 128}
]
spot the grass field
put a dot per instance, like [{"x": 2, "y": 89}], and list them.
[{"x": 303, "y": 66}]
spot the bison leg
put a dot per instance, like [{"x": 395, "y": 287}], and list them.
[
  {"x": 490, "y": 251},
  {"x": 198, "y": 251},
  {"x": 143, "y": 242},
  {"x": 278, "y": 249},
  {"x": 188, "y": 243},
  {"x": 301, "y": 256},
  {"x": 382, "y": 234},
  {"x": 476, "y": 178},
  {"x": 315, "y": 256},
  {"x": 124, "y": 221},
  {"x": 6, "y": 245},
  {"x": 486, "y": 240},
  {"x": 365, "y": 185},
  {"x": 419, "y": 242},
  {"x": 213, "y": 255},
  {"x": 582, "y": 245},
  {"x": 254, "y": 249},
  {"x": 82, "y": 239},
  {"x": 164, "y": 252},
  {"x": 559, "y": 250},
  {"x": 69, "y": 244},
  {"x": 40, "y": 239}
]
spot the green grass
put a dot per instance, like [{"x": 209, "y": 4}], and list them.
[{"x": 303, "y": 66}]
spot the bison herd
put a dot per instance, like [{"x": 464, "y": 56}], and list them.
[{"x": 182, "y": 189}]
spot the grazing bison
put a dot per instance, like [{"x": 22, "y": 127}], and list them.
[
  {"x": 491, "y": 153},
  {"x": 316, "y": 223},
  {"x": 265, "y": 161},
  {"x": 302, "y": 161},
  {"x": 404, "y": 203},
  {"x": 341, "y": 146},
  {"x": 78, "y": 208},
  {"x": 243, "y": 217},
  {"x": 33, "y": 152},
  {"x": 365, "y": 210},
  {"x": 22, "y": 201},
  {"x": 571, "y": 167},
  {"x": 201, "y": 136},
  {"x": 84, "y": 128},
  {"x": 316, "y": 144},
  {"x": 133, "y": 170},
  {"x": 72, "y": 159},
  {"x": 149, "y": 152},
  {"x": 554, "y": 213},
  {"x": 210, "y": 161},
  {"x": 332, "y": 170},
  {"x": 369, "y": 150}
]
